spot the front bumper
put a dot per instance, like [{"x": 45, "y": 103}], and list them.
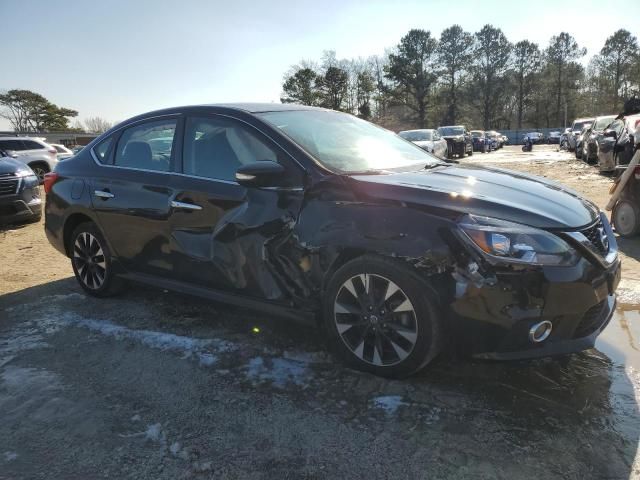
[
  {"x": 495, "y": 308},
  {"x": 17, "y": 208}
]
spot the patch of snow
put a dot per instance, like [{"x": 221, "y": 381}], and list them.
[
  {"x": 155, "y": 434},
  {"x": 136, "y": 418},
  {"x": 389, "y": 403},
  {"x": 200, "y": 348},
  {"x": 10, "y": 456},
  {"x": 305, "y": 357},
  {"x": 278, "y": 371},
  {"x": 207, "y": 359},
  {"x": 175, "y": 448}
]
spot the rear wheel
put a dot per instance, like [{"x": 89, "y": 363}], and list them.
[
  {"x": 626, "y": 218},
  {"x": 380, "y": 319},
  {"x": 92, "y": 263}
]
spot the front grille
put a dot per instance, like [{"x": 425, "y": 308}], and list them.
[
  {"x": 591, "y": 321},
  {"x": 597, "y": 236},
  {"x": 8, "y": 184}
]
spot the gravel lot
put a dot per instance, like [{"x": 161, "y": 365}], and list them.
[{"x": 155, "y": 385}]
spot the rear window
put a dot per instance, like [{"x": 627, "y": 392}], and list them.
[
  {"x": 416, "y": 136},
  {"x": 147, "y": 146},
  {"x": 32, "y": 145}
]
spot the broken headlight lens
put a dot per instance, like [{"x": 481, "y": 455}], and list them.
[{"x": 515, "y": 243}]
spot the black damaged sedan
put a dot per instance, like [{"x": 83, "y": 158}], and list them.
[{"x": 320, "y": 216}]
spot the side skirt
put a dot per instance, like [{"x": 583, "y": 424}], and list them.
[{"x": 300, "y": 316}]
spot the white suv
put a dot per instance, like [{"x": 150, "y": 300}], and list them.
[{"x": 40, "y": 156}]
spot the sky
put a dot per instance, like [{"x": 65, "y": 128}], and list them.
[{"x": 118, "y": 58}]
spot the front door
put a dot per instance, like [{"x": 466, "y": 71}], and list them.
[{"x": 223, "y": 235}]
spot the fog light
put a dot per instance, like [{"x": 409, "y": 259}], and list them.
[{"x": 540, "y": 331}]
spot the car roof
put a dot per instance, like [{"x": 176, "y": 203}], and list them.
[
  {"x": 16, "y": 137},
  {"x": 585, "y": 119},
  {"x": 417, "y": 130}
]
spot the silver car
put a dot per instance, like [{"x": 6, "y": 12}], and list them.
[
  {"x": 576, "y": 128},
  {"x": 40, "y": 156},
  {"x": 427, "y": 139}
]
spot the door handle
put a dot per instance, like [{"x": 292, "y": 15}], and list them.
[
  {"x": 103, "y": 194},
  {"x": 185, "y": 206}
]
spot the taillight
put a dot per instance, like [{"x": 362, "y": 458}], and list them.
[{"x": 49, "y": 179}]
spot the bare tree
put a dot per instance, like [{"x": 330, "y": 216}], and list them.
[{"x": 96, "y": 125}]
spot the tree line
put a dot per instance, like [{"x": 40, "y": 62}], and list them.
[
  {"x": 479, "y": 79},
  {"x": 29, "y": 111}
]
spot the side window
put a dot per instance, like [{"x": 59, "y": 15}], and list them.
[
  {"x": 31, "y": 145},
  {"x": 147, "y": 146},
  {"x": 214, "y": 147},
  {"x": 102, "y": 149},
  {"x": 14, "y": 145}
]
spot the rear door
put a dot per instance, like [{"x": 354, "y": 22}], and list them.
[
  {"x": 221, "y": 232},
  {"x": 132, "y": 192}
]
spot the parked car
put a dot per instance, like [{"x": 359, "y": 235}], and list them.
[
  {"x": 505, "y": 140},
  {"x": 63, "y": 152},
  {"x": 495, "y": 137},
  {"x": 618, "y": 143},
  {"x": 318, "y": 215},
  {"x": 491, "y": 140},
  {"x": 499, "y": 138},
  {"x": 564, "y": 139},
  {"x": 40, "y": 156},
  {"x": 579, "y": 139},
  {"x": 427, "y": 139},
  {"x": 535, "y": 137},
  {"x": 590, "y": 141},
  {"x": 576, "y": 128},
  {"x": 19, "y": 192},
  {"x": 458, "y": 140},
  {"x": 479, "y": 141},
  {"x": 554, "y": 138}
]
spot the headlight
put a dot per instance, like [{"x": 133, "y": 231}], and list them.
[
  {"x": 515, "y": 243},
  {"x": 30, "y": 181}
]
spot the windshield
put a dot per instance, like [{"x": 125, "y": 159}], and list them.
[
  {"x": 345, "y": 143},
  {"x": 448, "y": 131},
  {"x": 416, "y": 135},
  {"x": 577, "y": 126},
  {"x": 602, "y": 123},
  {"x": 477, "y": 134}
]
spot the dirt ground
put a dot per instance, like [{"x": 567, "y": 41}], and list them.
[{"x": 156, "y": 385}]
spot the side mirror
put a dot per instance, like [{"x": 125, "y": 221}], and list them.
[
  {"x": 260, "y": 174},
  {"x": 610, "y": 133}
]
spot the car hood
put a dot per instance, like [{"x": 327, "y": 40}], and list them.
[
  {"x": 11, "y": 165},
  {"x": 484, "y": 191}
]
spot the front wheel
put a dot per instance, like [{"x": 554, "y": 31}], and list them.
[
  {"x": 380, "y": 319},
  {"x": 92, "y": 263},
  {"x": 626, "y": 218}
]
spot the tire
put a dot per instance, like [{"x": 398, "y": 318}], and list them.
[
  {"x": 98, "y": 277},
  {"x": 626, "y": 218},
  {"x": 470, "y": 152},
  {"x": 40, "y": 169},
  {"x": 578, "y": 152},
  {"x": 379, "y": 341}
]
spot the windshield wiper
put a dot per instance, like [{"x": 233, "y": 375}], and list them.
[{"x": 429, "y": 166}]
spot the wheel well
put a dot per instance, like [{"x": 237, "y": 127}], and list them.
[
  {"x": 39, "y": 163},
  {"x": 70, "y": 225},
  {"x": 343, "y": 257}
]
